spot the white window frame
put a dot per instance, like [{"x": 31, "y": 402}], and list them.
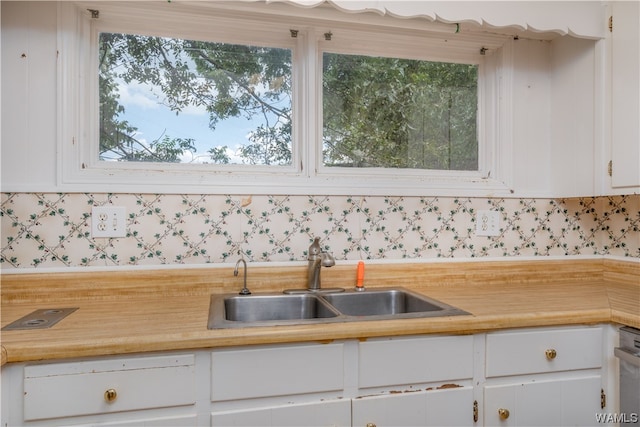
[{"x": 80, "y": 170}]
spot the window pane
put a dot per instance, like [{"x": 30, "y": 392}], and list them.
[
  {"x": 399, "y": 113},
  {"x": 174, "y": 100}
]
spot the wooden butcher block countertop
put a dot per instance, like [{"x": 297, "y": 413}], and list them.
[{"x": 123, "y": 312}]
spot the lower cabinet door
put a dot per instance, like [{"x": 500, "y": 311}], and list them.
[
  {"x": 443, "y": 407},
  {"x": 322, "y": 414},
  {"x": 566, "y": 402}
]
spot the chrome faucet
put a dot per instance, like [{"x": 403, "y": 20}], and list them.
[
  {"x": 317, "y": 258},
  {"x": 245, "y": 290}
]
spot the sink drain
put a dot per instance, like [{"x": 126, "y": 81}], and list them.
[{"x": 40, "y": 319}]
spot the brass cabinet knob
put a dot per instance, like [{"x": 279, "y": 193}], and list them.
[
  {"x": 503, "y": 413},
  {"x": 110, "y": 395},
  {"x": 550, "y": 353},
  {"x": 371, "y": 425}
]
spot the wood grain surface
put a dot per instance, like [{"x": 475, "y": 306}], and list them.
[{"x": 154, "y": 310}]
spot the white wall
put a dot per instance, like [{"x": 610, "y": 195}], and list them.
[
  {"x": 574, "y": 116},
  {"x": 532, "y": 115},
  {"x": 552, "y": 108},
  {"x": 29, "y": 80}
]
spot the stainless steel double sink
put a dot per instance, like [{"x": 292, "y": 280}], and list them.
[{"x": 271, "y": 309}]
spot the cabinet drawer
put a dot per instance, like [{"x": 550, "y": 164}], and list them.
[
  {"x": 527, "y": 352},
  {"x": 80, "y": 388},
  {"x": 415, "y": 360},
  {"x": 276, "y": 371}
]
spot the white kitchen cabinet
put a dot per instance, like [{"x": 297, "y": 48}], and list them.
[
  {"x": 392, "y": 381},
  {"x": 414, "y": 381},
  {"x": 544, "y": 377},
  {"x": 110, "y": 391},
  {"x": 541, "y": 376},
  {"x": 625, "y": 96},
  {"x": 282, "y": 385}
]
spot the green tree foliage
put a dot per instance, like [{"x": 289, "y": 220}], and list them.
[
  {"x": 226, "y": 80},
  {"x": 377, "y": 112},
  {"x": 398, "y": 113}
]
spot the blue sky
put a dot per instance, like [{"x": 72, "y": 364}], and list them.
[{"x": 153, "y": 121}]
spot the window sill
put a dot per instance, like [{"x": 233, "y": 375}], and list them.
[{"x": 175, "y": 182}]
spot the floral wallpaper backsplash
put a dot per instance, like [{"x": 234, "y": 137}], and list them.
[{"x": 54, "y": 230}]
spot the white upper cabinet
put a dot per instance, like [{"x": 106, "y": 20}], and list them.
[{"x": 625, "y": 97}]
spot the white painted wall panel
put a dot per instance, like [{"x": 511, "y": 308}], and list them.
[
  {"x": 548, "y": 78},
  {"x": 531, "y": 117},
  {"x": 625, "y": 118},
  {"x": 29, "y": 39},
  {"x": 573, "y": 121}
]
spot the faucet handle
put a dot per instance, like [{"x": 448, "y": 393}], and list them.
[{"x": 315, "y": 249}]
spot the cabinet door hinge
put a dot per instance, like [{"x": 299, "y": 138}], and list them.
[
  {"x": 603, "y": 399},
  {"x": 611, "y": 24},
  {"x": 475, "y": 411},
  {"x": 610, "y": 168}
]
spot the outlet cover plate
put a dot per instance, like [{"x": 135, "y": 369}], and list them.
[
  {"x": 108, "y": 221},
  {"x": 487, "y": 223}
]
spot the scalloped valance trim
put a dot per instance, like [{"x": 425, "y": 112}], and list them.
[{"x": 584, "y": 19}]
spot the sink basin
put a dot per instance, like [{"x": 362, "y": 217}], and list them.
[
  {"x": 270, "y": 309},
  {"x": 266, "y": 309},
  {"x": 384, "y": 302}
]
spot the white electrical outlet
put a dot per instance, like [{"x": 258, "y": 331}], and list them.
[
  {"x": 488, "y": 223},
  {"x": 108, "y": 221}
]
